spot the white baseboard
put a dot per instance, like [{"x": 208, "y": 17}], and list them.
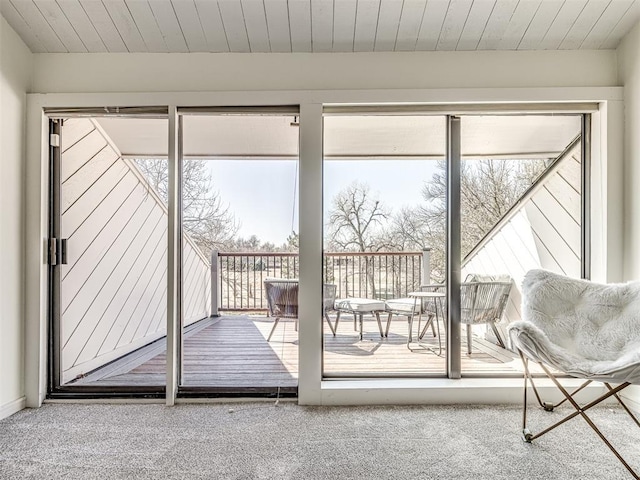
[
  {"x": 10, "y": 408},
  {"x": 632, "y": 397}
]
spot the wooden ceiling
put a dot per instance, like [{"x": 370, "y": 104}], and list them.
[{"x": 318, "y": 25}]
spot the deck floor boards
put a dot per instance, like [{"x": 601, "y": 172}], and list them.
[{"x": 233, "y": 352}]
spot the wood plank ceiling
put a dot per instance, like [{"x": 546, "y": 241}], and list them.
[{"x": 318, "y": 25}]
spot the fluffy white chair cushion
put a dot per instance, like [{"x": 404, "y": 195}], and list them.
[{"x": 582, "y": 328}]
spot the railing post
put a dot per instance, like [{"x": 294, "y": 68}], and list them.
[
  {"x": 215, "y": 284},
  {"x": 426, "y": 266}
]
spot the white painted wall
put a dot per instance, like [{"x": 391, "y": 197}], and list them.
[
  {"x": 74, "y": 73},
  {"x": 629, "y": 76},
  {"x": 15, "y": 81}
]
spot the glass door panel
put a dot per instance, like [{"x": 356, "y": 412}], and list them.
[
  {"x": 111, "y": 219},
  {"x": 521, "y": 208},
  {"x": 240, "y": 252},
  {"x": 385, "y": 211}
]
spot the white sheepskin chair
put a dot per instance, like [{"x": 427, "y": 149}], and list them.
[{"x": 583, "y": 329}]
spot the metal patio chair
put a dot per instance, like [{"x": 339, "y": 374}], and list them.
[
  {"x": 282, "y": 301},
  {"x": 582, "y": 329},
  {"x": 483, "y": 299}
]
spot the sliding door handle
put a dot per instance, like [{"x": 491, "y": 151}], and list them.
[{"x": 62, "y": 251}]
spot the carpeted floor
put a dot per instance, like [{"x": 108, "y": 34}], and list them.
[{"x": 261, "y": 441}]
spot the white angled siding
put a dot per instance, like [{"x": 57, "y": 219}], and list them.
[
  {"x": 113, "y": 298},
  {"x": 544, "y": 232}
]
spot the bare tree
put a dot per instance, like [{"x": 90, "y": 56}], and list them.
[
  {"x": 488, "y": 189},
  {"x": 356, "y": 220},
  {"x": 205, "y": 217},
  {"x": 356, "y": 223},
  {"x": 293, "y": 242}
]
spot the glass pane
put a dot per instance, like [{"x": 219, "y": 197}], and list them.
[
  {"x": 384, "y": 240},
  {"x": 114, "y": 215},
  {"x": 240, "y": 252},
  {"x": 521, "y": 208}
]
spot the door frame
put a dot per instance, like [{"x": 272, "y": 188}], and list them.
[{"x": 606, "y": 182}]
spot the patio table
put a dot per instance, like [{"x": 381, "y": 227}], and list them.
[{"x": 418, "y": 296}]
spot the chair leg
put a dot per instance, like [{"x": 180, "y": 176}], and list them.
[
  {"x": 430, "y": 318},
  {"x": 377, "y": 315},
  {"x": 617, "y": 397},
  {"x": 580, "y": 410},
  {"x": 469, "y": 338},
  {"x": 496, "y": 332},
  {"x": 275, "y": 324},
  {"x": 335, "y": 325},
  {"x": 410, "y": 333},
  {"x": 326, "y": 316},
  {"x": 526, "y": 434},
  {"x": 386, "y": 332}
]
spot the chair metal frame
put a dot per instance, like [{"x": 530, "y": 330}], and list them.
[{"x": 613, "y": 391}]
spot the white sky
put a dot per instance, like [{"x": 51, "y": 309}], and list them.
[{"x": 260, "y": 193}]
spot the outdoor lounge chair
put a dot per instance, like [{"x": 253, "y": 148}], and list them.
[
  {"x": 483, "y": 299},
  {"x": 282, "y": 301},
  {"x": 582, "y": 329}
]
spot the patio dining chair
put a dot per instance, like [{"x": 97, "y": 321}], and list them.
[
  {"x": 582, "y": 329},
  {"x": 282, "y": 301}
]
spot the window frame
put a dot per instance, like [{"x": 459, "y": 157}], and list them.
[{"x": 606, "y": 180}]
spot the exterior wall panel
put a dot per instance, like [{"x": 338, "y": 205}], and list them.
[
  {"x": 544, "y": 232},
  {"x": 114, "y": 285}
]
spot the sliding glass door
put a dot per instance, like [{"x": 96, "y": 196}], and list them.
[
  {"x": 521, "y": 208},
  {"x": 385, "y": 242},
  {"x": 239, "y": 198},
  {"x": 431, "y": 223},
  {"x": 108, "y": 254}
]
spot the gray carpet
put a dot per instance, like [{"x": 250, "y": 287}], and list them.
[{"x": 261, "y": 441}]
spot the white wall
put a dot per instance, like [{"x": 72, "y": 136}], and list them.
[
  {"x": 74, "y": 73},
  {"x": 15, "y": 79},
  {"x": 629, "y": 76}
]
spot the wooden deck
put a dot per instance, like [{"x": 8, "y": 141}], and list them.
[{"x": 232, "y": 352}]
